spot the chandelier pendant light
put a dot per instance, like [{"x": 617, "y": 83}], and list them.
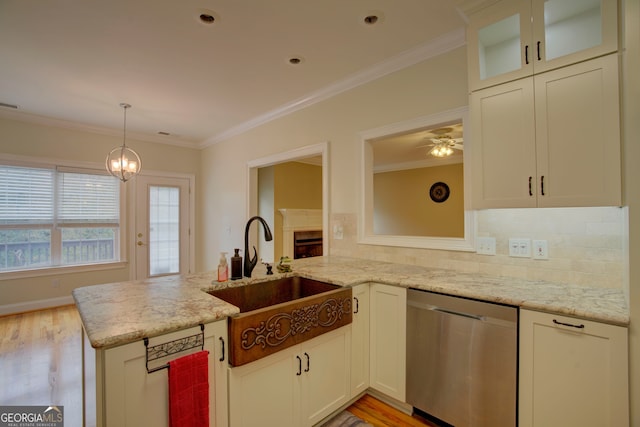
[{"x": 122, "y": 162}]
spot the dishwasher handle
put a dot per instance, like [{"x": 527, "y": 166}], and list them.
[
  {"x": 421, "y": 305},
  {"x": 457, "y": 313}
]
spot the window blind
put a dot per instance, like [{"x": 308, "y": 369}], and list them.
[
  {"x": 85, "y": 198},
  {"x": 26, "y": 195}
]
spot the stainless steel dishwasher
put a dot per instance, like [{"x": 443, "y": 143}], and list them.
[{"x": 462, "y": 359}]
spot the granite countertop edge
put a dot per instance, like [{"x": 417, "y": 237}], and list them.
[{"x": 120, "y": 313}]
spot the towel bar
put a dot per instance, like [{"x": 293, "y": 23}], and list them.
[{"x": 172, "y": 347}]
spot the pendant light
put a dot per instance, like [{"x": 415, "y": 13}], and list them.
[{"x": 122, "y": 162}]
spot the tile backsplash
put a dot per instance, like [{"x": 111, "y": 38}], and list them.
[{"x": 586, "y": 245}]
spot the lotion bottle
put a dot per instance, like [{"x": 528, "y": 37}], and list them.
[
  {"x": 236, "y": 265},
  {"x": 223, "y": 268}
]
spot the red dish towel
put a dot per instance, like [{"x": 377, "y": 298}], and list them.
[{"x": 189, "y": 391}]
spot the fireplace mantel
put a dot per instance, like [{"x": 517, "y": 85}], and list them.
[{"x": 298, "y": 220}]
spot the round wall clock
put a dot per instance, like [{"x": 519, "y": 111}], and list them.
[{"x": 439, "y": 192}]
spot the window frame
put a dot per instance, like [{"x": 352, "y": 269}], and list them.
[{"x": 75, "y": 167}]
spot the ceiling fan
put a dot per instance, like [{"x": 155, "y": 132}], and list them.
[{"x": 443, "y": 146}]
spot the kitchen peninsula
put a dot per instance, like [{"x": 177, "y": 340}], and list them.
[{"x": 120, "y": 315}]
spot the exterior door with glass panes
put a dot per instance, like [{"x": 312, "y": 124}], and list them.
[{"x": 162, "y": 238}]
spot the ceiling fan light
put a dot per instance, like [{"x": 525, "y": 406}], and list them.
[{"x": 441, "y": 150}]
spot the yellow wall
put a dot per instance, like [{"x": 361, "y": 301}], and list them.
[
  {"x": 69, "y": 146},
  {"x": 297, "y": 186},
  {"x": 290, "y": 185},
  {"x": 402, "y": 205}
]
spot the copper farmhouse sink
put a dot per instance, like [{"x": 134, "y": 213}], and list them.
[{"x": 281, "y": 313}]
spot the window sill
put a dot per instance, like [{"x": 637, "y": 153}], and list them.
[{"x": 67, "y": 269}]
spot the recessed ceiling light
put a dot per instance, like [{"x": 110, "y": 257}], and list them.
[
  {"x": 296, "y": 60},
  {"x": 370, "y": 19},
  {"x": 373, "y": 18},
  {"x": 207, "y": 17}
]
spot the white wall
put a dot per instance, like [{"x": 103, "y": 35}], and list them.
[
  {"x": 426, "y": 88},
  {"x": 585, "y": 245},
  {"x": 68, "y": 146}
]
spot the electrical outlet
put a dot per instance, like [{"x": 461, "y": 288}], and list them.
[
  {"x": 540, "y": 249},
  {"x": 55, "y": 283},
  {"x": 486, "y": 246},
  {"x": 520, "y": 248},
  {"x": 338, "y": 232}
]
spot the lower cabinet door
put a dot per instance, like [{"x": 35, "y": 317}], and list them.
[
  {"x": 326, "y": 380},
  {"x": 266, "y": 392},
  {"x": 133, "y": 397},
  {"x": 296, "y": 387},
  {"x": 573, "y": 372},
  {"x": 388, "y": 336},
  {"x": 360, "y": 340}
]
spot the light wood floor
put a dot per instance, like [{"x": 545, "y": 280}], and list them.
[
  {"x": 379, "y": 414},
  {"x": 41, "y": 362}
]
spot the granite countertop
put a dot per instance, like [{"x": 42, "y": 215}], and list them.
[{"x": 118, "y": 313}]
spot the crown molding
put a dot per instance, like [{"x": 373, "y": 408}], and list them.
[{"x": 433, "y": 48}]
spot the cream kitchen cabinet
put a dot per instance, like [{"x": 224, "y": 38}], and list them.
[
  {"x": 360, "y": 340},
  {"x": 388, "y": 325},
  {"x": 511, "y": 39},
  {"x": 552, "y": 140},
  {"x": 298, "y": 386},
  {"x": 573, "y": 372},
  {"x": 119, "y": 392}
]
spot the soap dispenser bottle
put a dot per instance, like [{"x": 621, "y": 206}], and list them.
[
  {"x": 236, "y": 265},
  {"x": 223, "y": 268}
]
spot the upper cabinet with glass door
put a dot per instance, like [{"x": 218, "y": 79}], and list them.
[{"x": 511, "y": 39}]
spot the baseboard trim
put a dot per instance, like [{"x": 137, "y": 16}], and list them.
[
  {"x": 23, "y": 307},
  {"x": 400, "y": 406}
]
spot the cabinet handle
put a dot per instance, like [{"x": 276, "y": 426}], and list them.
[
  {"x": 530, "y": 189},
  {"x": 526, "y": 54},
  {"x": 542, "y": 185},
  {"x": 222, "y": 342},
  {"x": 299, "y": 366},
  {"x": 580, "y": 326},
  {"x": 538, "y": 48},
  {"x": 308, "y": 360},
  {"x": 357, "y": 306}
]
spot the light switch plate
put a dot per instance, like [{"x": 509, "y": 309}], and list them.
[
  {"x": 486, "y": 246},
  {"x": 520, "y": 248}
]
